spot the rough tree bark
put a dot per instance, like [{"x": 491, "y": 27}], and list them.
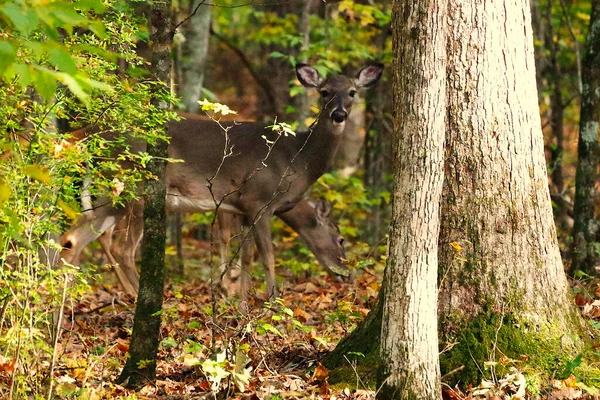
[
  {"x": 586, "y": 228},
  {"x": 510, "y": 296},
  {"x": 147, "y": 319},
  {"x": 409, "y": 366},
  {"x": 501, "y": 270}
]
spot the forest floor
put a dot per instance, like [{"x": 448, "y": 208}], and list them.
[{"x": 207, "y": 346}]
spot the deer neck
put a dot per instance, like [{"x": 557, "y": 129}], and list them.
[{"x": 320, "y": 145}]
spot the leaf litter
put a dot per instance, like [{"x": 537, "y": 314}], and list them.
[{"x": 273, "y": 352}]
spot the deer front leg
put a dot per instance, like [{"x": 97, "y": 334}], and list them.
[
  {"x": 264, "y": 244},
  {"x": 105, "y": 241},
  {"x": 128, "y": 235},
  {"x": 247, "y": 256}
]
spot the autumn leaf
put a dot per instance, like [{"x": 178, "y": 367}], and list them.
[
  {"x": 38, "y": 173},
  {"x": 320, "y": 374}
]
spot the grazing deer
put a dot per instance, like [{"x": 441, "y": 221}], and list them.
[
  {"x": 245, "y": 168},
  {"x": 309, "y": 220}
]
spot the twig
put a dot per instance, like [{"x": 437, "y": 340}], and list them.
[
  {"x": 455, "y": 370},
  {"x": 358, "y": 380},
  {"x": 57, "y": 335},
  {"x": 188, "y": 17}
]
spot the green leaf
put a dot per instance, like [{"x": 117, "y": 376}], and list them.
[
  {"x": 24, "y": 20},
  {"x": 7, "y": 55},
  {"x": 168, "y": 342},
  {"x": 45, "y": 83},
  {"x": 22, "y": 71},
  {"x": 277, "y": 54},
  {"x": 97, "y": 6},
  {"x": 5, "y": 192},
  {"x": 74, "y": 86},
  {"x": 62, "y": 60},
  {"x": 272, "y": 329}
]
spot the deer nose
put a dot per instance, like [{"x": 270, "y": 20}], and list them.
[{"x": 339, "y": 116}]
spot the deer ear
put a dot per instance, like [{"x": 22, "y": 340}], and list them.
[
  {"x": 323, "y": 209},
  {"x": 369, "y": 75},
  {"x": 308, "y": 76}
]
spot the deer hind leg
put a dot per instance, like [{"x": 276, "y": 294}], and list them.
[
  {"x": 264, "y": 245},
  {"x": 247, "y": 256}
]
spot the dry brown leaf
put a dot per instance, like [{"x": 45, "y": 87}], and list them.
[
  {"x": 324, "y": 389},
  {"x": 122, "y": 346},
  {"x": 320, "y": 374},
  {"x": 302, "y": 315}
]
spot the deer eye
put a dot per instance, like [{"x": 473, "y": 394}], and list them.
[
  {"x": 352, "y": 93},
  {"x": 341, "y": 241},
  {"x": 324, "y": 93}
]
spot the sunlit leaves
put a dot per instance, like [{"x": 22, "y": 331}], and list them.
[
  {"x": 33, "y": 45},
  {"x": 215, "y": 109},
  {"x": 38, "y": 173}
]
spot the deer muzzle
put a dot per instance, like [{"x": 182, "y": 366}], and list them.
[{"x": 339, "y": 116}]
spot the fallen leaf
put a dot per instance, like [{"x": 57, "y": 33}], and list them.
[{"x": 320, "y": 373}]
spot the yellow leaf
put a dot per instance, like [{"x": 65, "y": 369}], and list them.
[
  {"x": 70, "y": 212},
  {"x": 38, "y": 173},
  {"x": 456, "y": 246},
  {"x": 583, "y": 16},
  {"x": 5, "y": 192}
]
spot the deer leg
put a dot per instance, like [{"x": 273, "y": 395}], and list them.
[
  {"x": 264, "y": 244},
  {"x": 127, "y": 239},
  {"x": 247, "y": 250},
  {"x": 105, "y": 241},
  {"x": 227, "y": 224}
]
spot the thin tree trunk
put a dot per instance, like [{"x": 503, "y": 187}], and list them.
[
  {"x": 194, "y": 56},
  {"x": 586, "y": 227},
  {"x": 409, "y": 366},
  {"x": 301, "y": 100},
  {"x": 556, "y": 123},
  {"x": 141, "y": 364}
]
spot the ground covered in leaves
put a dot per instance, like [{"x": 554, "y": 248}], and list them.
[{"x": 208, "y": 347}]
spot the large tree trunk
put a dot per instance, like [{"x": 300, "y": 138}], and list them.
[
  {"x": 147, "y": 319},
  {"x": 502, "y": 285},
  {"x": 409, "y": 347},
  {"x": 586, "y": 227},
  {"x": 503, "y": 278}
]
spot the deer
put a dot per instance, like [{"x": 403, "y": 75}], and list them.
[
  {"x": 310, "y": 220},
  {"x": 244, "y": 168}
]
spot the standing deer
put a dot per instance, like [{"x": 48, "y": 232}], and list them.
[{"x": 248, "y": 169}]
